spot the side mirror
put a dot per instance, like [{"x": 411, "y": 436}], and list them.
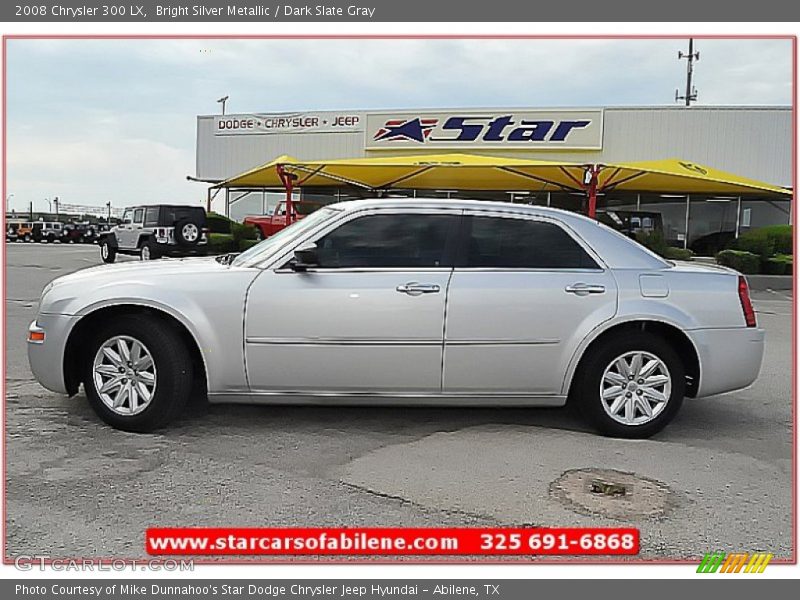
[{"x": 305, "y": 257}]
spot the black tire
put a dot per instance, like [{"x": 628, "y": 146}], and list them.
[
  {"x": 107, "y": 252},
  {"x": 148, "y": 251},
  {"x": 173, "y": 364},
  {"x": 586, "y": 390},
  {"x": 187, "y": 232}
]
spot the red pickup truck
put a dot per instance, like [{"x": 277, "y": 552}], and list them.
[{"x": 266, "y": 225}]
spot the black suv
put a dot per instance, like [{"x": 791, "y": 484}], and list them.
[{"x": 154, "y": 231}]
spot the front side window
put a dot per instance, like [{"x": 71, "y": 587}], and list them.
[
  {"x": 127, "y": 216},
  {"x": 521, "y": 244},
  {"x": 389, "y": 241}
]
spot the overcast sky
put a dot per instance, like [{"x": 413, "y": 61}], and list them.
[{"x": 96, "y": 120}]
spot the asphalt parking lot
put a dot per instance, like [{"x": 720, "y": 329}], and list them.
[{"x": 77, "y": 488}]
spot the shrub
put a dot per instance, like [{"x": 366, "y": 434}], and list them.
[
  {"x": 654, "y": 241},
  {"x": 780, "y": 264},
  {"x": 242, "y": 232},
  {"x": 245, "y": 244},
  {"x": 744, "y": 262},
  {"x": 218, "y": 223},
  {"x": 766, "y": 241},
  {"x": 678, "y": 254},
  {"x": 221, "y": 243}
]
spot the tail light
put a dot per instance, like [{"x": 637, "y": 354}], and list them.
[{"x": 747, "y": 306}]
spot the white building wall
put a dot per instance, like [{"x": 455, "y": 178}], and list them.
[{"x": 754, "y": 142}]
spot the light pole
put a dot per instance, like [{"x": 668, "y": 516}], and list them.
[
  {"x": 49, "y": 205},
  {"x": 8, "y": 199},
  {"x": 108, "y": 206},
  {"x": 55, "y": 201},
  {"x": 222, "y": 101}
]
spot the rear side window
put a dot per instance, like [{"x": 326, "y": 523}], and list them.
[
  {"x": 138, "y": 215},
  {"x": 520, "y": 244},
  {"x": 151, "y": 216},
  {"x": 397, "y": 240}
]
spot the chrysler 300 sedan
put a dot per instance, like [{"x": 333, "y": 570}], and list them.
[{"x": 406, "y": 302}]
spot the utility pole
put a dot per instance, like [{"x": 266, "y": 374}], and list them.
[
  {"x": 691, "y": 93},
  {"x": 223, "y": 101}
]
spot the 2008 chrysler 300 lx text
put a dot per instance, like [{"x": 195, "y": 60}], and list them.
[{"x": 405, "y": 301}]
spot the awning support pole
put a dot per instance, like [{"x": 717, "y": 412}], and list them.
[
  {"x": 591, "y": 176},
  {"x": 288, "y": 180},
  {"x": 738, "y": 215},
  {"x": 686, "y": 224}
]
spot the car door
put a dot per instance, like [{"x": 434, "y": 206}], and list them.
[
  {"x": 124, "y": 231},
  {"x": 524, "y": 293},
  {"x": 368, "y": 319}
]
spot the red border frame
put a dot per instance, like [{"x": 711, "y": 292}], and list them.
[{"x": 412, "y": 560}]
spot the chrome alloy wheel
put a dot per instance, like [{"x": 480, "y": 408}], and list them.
[
  {"x": 635, "y": 388},
  {"x": 146, "y": 252},
  {"x": 190, "y": 232},
  {"x": 124, "y": 375}
]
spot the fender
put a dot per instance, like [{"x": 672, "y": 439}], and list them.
[
  {"x": 669, "y": 316},
  {"x": 110, "y": 237}
]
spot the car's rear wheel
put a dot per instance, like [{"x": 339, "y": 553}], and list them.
[
  {"x": 138, "y": 373},
  {"x": 107, "y": 252},
  {"x": 632, "y": 385},
  {"x": 148, "y": 251}
]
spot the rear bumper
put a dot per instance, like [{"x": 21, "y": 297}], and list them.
[
  {"x": 47, "y": 358},
  {"x": 730, "y": 359}
]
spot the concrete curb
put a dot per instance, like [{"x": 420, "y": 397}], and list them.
[{"x": 769, "y": 282}]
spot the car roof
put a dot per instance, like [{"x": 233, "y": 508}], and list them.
[
  {"x": 180, "y": 206},
  {"x": 481, "y": 205}
]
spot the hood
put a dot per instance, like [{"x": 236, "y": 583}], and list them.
[
  {"x": 159, "y": 281},
  {"x": 142, "y": 270}
]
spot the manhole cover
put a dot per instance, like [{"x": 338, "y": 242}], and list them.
[{"x": 613, "y": 494}]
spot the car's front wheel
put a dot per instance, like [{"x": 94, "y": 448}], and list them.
[
  {"x": 107, "y": 252},
  {"x": 632, "y": 385},
  {"x": 138, "y": 373}
]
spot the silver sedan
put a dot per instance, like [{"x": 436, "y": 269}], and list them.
[{"x": 411, "y": 302}]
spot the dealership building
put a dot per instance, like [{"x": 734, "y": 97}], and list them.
[{"x": 754, "y": 142}]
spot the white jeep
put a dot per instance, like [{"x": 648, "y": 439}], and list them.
[{"x": 154, "y": 231}]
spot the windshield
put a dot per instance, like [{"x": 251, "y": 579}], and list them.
[{"x": 259, "y": 252}]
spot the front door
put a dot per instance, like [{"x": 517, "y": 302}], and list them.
[
  {"x": 368, "y": 319},
  {"x": 524, "y": 293}
]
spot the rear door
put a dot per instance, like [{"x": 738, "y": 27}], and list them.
[{"x": 524, "y": 292}]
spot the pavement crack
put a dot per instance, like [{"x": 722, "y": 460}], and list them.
[{"x": 448, "y": 511}]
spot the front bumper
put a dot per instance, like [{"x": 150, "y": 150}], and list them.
[
  {"x": 730, "y": 359},
  {"x": 46, "y": 357}
]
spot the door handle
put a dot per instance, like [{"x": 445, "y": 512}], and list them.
[
  {"x": 417, "y": 289},
  {"x": 584, "y": 289}
]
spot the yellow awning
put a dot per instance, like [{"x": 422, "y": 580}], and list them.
[
  {"x": 679, "y": 176},
  {"x": 422, "y": 172},
  {"x": 492, "y": 173}
]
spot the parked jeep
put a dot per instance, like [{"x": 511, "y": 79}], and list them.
[
  {"x": 151, "y": 232},
  {"x": 47, "y": 231}
]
